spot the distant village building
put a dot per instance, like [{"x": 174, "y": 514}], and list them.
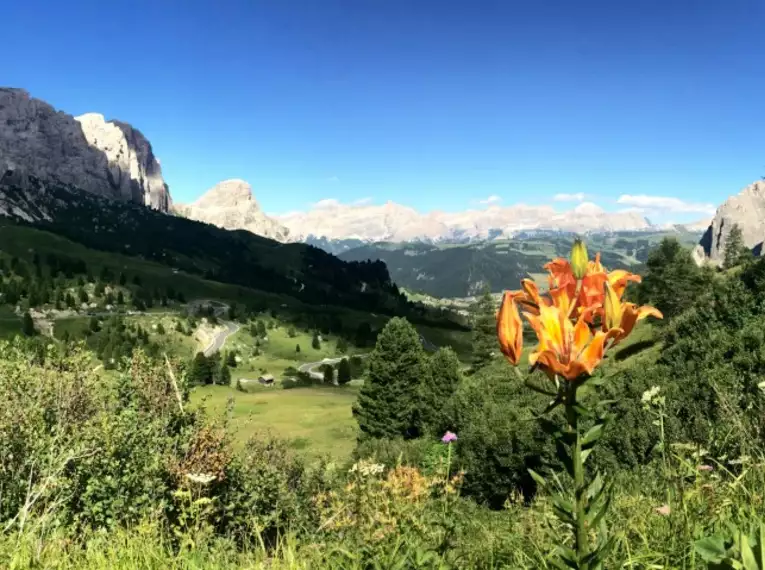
[{"x": 266, "y": 379}]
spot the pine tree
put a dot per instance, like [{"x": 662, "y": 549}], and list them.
[
  {"x": 297, "y": 349},
  {"x": 343, "y": 372},
  {"x": 224, "y": 375},
  {"x": 329, "y": 374},
  {"x": 260, "y": 329},
  {"x": 342, "y": 345},
  {"x": 484, "y": 330},
  {"x": 160, "y": 328},
  {"x": 438, "y": 389},
  {"x": 231, "y": 359},
  {"x": 27, "y": 325},
  {"x": 736, "y": 253},
  {"x": 397, "y": 367},
  {"x": 199, "y": 371},
  {"x": 315, "y": 342},
  {"x": 672, "y": 281}
]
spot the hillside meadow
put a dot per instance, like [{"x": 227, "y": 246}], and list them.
[{"x": 432, "y": 460}]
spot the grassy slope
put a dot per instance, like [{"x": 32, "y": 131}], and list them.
[{"x": 316, "y": 421}]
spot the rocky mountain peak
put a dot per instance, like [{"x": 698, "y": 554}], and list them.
[
  {"x": 747, "y": 209},
  {"x": 231, "y": 205},
  {"x": 233, "y": 193},
  {"x": 110, "y": 159}
]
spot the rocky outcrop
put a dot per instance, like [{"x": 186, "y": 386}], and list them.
[
  {"x": 230, "y": 205},
  {"x": 747, "y": 209},
  {"x": 106, "y": 158}
]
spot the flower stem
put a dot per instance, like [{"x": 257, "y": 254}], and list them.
[{"x": 580, "y": 490}]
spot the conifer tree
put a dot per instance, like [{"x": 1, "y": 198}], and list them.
[
  {"x": 484, "y": 330},
  {"x": 386, "y": 407},
  {"x": 315, "y": 342},
  {"x": 343, "y": 372},
  {"x": 736, "y": 252},
  {"x": 437, "y": 390},
  {"x": 27, "y": 325}
]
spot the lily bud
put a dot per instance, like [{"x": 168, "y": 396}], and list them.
[
  {"x": 510, "y": 329},
  {"x": 613, "y": 308},
  {"x": 579, "y": 259}
]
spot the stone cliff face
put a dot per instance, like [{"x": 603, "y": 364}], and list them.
[
  {"x": 747, "y": 209},
  {"x": 230, "y": 205},
  {"x": 107, "y": 158}
]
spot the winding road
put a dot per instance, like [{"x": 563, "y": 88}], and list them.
[
  {"x": 310, "y": 367},
  {"x": 220, "y": 339}
]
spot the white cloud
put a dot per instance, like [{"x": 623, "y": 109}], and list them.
[
  {"x": 493, "y": 199},
  {"x": 664, "y": 204},
  {"x": 327, "y": 203},
  {"x": 576, "y": 197},
  {"x": 362, "y": 201},
  {"x": 333, "y": 179}
]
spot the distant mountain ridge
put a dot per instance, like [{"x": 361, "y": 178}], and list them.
[{"x": 392, "y": 222}]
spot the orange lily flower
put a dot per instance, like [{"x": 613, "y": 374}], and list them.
[
  {"x": 561, "y": 276},
  {"x": 510, "y": 328},
  {"x": 566, "y": 349},
  {"x": 623, "y": 316},
  {"x": 529, "y": 298}
]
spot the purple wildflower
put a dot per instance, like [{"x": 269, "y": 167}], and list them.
[{"x": 449, "y": 437}]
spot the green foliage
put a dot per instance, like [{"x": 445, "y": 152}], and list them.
[
  {"x": 499, "y": 437},
  {"x": 458, "y": 270},
  {"x": 343, "y": 372},
  {"x": 484, "y": 330},
  {"x": 358, "y": 366},
  {"x": 396, "y": 370},
  {"x": 437, "y": 390},
  {"x": 315, "y": 342},
  {"x": 735, "y": 253},
  {"x": 673, "y": 281},
  {"x": 27, "y": 325},
  {"x": 342, "y": 345},
  {"x": 329, "y": 374}
]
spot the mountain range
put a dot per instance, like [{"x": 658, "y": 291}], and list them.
[
  {"x": 51, "y": 161},
  {"x": 337, "y": 227}
]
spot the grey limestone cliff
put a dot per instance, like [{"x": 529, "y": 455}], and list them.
[{"x": 107, "y": 158}]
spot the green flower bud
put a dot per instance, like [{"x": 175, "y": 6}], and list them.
[{"x": 579, "y": 259}]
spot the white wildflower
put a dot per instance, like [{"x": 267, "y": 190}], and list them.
[
  {"x": 201, "y": 478},
  {"x": 650, "y": 395}
]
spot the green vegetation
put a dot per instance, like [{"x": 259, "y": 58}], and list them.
[
  {"x": 315, "y": 421},
  {"x": 388, "y": 401},
  {"x": 166, "y": 458},
  {"x": 462, "y": 270}
]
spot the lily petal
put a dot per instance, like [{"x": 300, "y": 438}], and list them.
[{"x": 510, "y": 329}]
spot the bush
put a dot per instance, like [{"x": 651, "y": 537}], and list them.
[{"x": 499, "y": 436}]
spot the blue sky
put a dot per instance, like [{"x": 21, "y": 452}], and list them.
[{"x": 437, "y": 104}]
